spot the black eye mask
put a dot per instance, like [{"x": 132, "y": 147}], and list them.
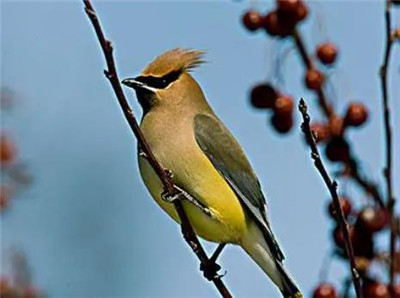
[{"x": 160, "y": 82}]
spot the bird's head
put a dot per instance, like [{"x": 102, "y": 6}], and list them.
[{"x": 166, "y": 80}]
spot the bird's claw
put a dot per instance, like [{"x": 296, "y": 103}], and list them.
[
  {"x": 166, "y": 197},
  {"x": 210, "y": 270},
  {"x": 142, "y": 153}
]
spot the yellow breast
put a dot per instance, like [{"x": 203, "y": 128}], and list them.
[{"x": 178, "y": 151}]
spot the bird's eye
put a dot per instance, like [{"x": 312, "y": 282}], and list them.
[{"x": 160, "y": 82}]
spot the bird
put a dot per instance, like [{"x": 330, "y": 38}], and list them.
[{"x": 225, "y": 203}]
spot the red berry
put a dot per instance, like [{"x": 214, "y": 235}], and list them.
[
  {"x": 356, "y": 115},
  {"x": 396, "y": 33},
  {"x": 271, "y": 23},
  {"x": 301, "y": 12},
  {"x": 283, "y": 105},
  {"x": 4, "y": 198},
  {"x": 376, "y": 290},
  {"x": 252, "y": 20},
  {"x": 344, "y": 204},
  {"x": 363, "y": 244},
  {"x": 6, "y": 288},
  {"x": 292, "y": 11},
  {"x": 337, "y": 149},
  {"x": 338, "y": 236},
  {"x": 321, "y": 131},
  {"x": 325, "y": 290},
  {"x": 314, "y": 79},
  {"x": 282, "y": 123},
  {"x": 263, "y": 96},
  {"x": 372, "y": 219},
  {"x": 277, "y": 25},
  {"x": 289, "y": 6},
  {"x": 336, "y": 125},
  {"x": 327, "y": 52},
  {"x": 7, "y": 150}
]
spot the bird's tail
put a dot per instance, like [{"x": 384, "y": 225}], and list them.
[
  {"x": 257, "y": 248},
  {"x": 289, "y": 288}
]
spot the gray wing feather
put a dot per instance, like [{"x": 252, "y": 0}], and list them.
[{"x": 228, "y": 158}]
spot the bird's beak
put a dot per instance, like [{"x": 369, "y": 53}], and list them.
[
  {"x": 137, "y": 85},
  {"x": 131, "y": 82}
]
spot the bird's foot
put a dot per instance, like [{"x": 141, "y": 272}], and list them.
[
  {"x": 183, "y": 195},
  {"x": 142, "y": 153},
  {"x": 210, "y": 270},
  {"x": 167, "y": 197}
]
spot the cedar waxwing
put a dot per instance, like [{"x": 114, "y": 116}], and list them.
[{"x": 206, "y": 162}]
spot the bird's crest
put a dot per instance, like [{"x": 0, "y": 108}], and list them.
[{"x": 174, "y": 60}]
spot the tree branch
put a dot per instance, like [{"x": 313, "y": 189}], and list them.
[
  {"x": 187, "y": 229},
  {"x": 388, "y": 142},
  {"x": 332, "y": 186},
  {"x": 369, "y": 187}
]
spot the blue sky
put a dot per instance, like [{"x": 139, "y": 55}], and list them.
[{"x": 87, "y": 224}]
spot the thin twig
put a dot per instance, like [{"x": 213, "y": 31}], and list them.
[
  {"x": 369, "y": 187},
  {"x": 332, "y": 187},
  {"x": 187, "y": 229},
  {"x": 388, "y": 139}
]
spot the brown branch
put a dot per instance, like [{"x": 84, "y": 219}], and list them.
[
  {"x": 369, "y": 187},
  {"x": 388, "y": 139},
  {"x": 332, "y": 187},
  {"x": 187, "y": 229}
]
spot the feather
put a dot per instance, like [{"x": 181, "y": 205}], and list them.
[
  {"x": 228, "y": 158},
  {"x": 174, "y": 60}
]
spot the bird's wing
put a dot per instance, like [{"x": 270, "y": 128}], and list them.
[{"x": 228, "y": 158}]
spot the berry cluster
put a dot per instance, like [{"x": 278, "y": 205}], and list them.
[
  {"x": 265, "y": 96},
  {"x": 15, "y": 177},
  {"x": 281, "y": 21},
  {"x": 371, "y": 289},
  {"x": 18, "y": 284},
  {"x": 364, "y": 226},
  {"x": 367, "y": 222},
  {"x": 15, "y": 173},
  {"x": 10, "y": 289}
]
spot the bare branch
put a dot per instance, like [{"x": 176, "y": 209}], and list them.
[
  {"x": 187, "y": 229},
  {"x": 332, "y": 187},
  {"x": 388, "y": 142}
]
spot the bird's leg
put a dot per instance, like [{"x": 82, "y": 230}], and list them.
[
  {"x": 181, "y": 194},
  {"x": 211, "y": 268},
  {"x": 167, "y": 197}
]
